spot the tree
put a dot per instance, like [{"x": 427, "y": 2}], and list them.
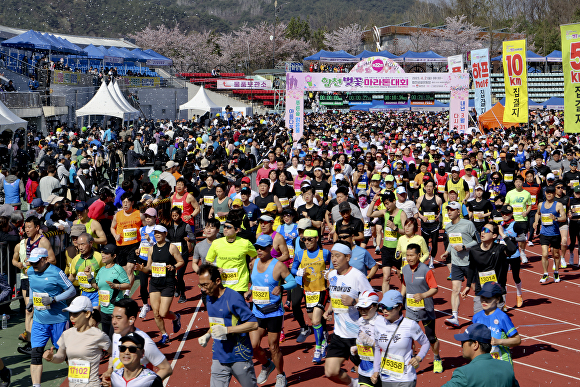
[
  {"x": 317, "y": 40},
  {"x": 421, "y": 40},
  {"x": 457, "y": 37},
  {"x": 347, "y": 38},
  {"x": 299, "y": 29}
]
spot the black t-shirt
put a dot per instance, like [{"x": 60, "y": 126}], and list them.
[
  {"x": 207, "y": 192},
  {"x": 484, "y": 206},
  {"x": 315, "y": 213},
  {"x": 282, "y": 192},
  {"x": 262, "y": 202},
  {"x": 333, "y": 203},
  {"x": 321, "y": 186},
  {"x": 355, "y": 224}
]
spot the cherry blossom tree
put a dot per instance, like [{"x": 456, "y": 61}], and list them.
[
  {"x": 457, "y": 37},
  {"x": 347, "y": 38},
  {"x": 421, "y": 40}
]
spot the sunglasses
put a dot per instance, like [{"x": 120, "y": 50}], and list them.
[
  {"x": 345, "y": 212},
  {"x": 487, "y": 230},
  {"x": 308, "y": 239},
  {"x": 560, "y": 187},
  {"x": 228, "y": 226},
  {"x": 123, "y": 348},
  {"x": 382, "y": 308}
]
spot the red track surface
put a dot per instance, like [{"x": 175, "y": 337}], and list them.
[{"x": 549, "y": 324}]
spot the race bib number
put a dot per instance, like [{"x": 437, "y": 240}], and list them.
[
  {"x": 495, "y": 353},
  {"x": 393, "y": 366},
  {"x": 365, "y": 352},
  {"x": 455, "y": 238},
  {"x": 575, "y": 210},
  {"x": 37, "y": 301},
  {"x": 312, "y": 299},
  {"x": 217, "y": 321},
  {"x": 575, "y": 183},
  {"x": 178, "y": 205},
  {"x": 361, "y": 186},
  {"x": 414, "y": 305},
  {"x": 229, "y": 276},
  {"x": 446, "y": 218},
  {"x": 390, "y": 235},
  {"x": 556, "y": 172},
  {"x": 478, "y": 216},
  {"x": 533, "y": 199},
  {"x": 144, "y": 250},
  {"x": 129, "y": 234},
  {"x": 547, "y": 220},
  {"x": 178, "y": 245},
  {"x": 509, "y": 177},
  {"x": 83, "y": 281},
  {"x": 430, "y": 216},
  {"x": 487, "y": 276},
  {"x": 222, "y": 219},
  {"x": 104, "y": 298},
  {"x": 297, "y": 192},
  {"x": 79, "y": 371},
  {"x": 319, "y": 192},
  {"x": 261, "y": 295},
  {"x": 412, "y": 184},
  {"x": 492, "y": 194},
  {"x": 367, "y": 226},
  {"x": 441, "y": 188},
  {"x": 338, "y": 306},
  {"x": 518, "y": 210},
  {"x": 291, "y": 252},
  {"x": 285, "y": 202},
  {"x": 158, "y": 269},
  {"x": 498, "y": 219},
  {"x": 208, "y": 200}
]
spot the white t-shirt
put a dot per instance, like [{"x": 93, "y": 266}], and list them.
[
  {"x": 352, "y": 284},
  {"x": 300, "y": 201},
  {"x": 152, "y": 354},
  {"x": 408, "y": 207}
]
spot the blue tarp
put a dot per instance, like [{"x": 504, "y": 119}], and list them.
[
  {"x": 94, "y": 52},
  {"x": 427, "y": 56},
  {"x": 29, "y": 40},
  {"x": 368, "y": 54},
  {"x": 332, "y": 56},
  {"x": 531, "y": 57},
  {"x": 58, "y": 47},
  {"x": 554, "y": 56},
  {"x": 131, "y": 56},
  {"x": 554, "y": 103},
  {"x": 158, "y": 59}
]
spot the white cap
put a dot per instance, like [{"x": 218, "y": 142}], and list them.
[
  {"x": 159, "y": 228},
  {"x": 455, "y": 169},
  {"x": 79, "y": 304},
  {"x": 300, "y": 167},
  {"x": 551, "y": 176},
  {"x": 385, "y": 170},
  {"x": 366, "y": 299},
  {"x": 340, "y": 176},
  {"x": 401, "y": 190},
  {"x": 433, "y": 147}
]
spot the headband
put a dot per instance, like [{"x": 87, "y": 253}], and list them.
[
  {"x": 310, "y": 233},
  {"x": 341, "y": 248}
]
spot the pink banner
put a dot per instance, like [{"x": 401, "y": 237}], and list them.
[
  {"x": 459, "y": 102},
  {"x": 295, "y": 104}
]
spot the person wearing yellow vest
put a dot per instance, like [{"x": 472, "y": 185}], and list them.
[
  {"x": 393, "y": 228},
  {"x": 125, "y": 229},
  {"x": 84, "y": 268},
  {"x": 410, "y": 236},
  {"x": 93, "y": 226},
  {"x": 458, "y": 184}
]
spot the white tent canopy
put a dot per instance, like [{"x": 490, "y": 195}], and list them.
[
  {"x": 102, "y": 104},
  {"x": 201, "y": 103},
  {"x": 121, "y": 100},
  {"x": 9, "y": 120}
]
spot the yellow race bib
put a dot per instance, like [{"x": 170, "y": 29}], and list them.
[
  {"x": 312, "y": 299},
  {"x": 487, "y": 276},
  {"x": 393, "y": 365},
  {"x": 79, "y": 371},
  {"x": 261, "y": 295},
  {"x": 229, "y": 276},
  {"x": 158, "y": 269},
  {"x": 365, "y": 352},
  {"x": 412, "y": 304},
  {"x": 104, "y": 298},
  {"x": 129, "y": 234},
  {"x": 338, "y": 306},
  {"x": 455, "y": 238}
]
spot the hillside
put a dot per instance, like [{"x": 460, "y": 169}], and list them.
[{"x": 113, "y": 18}]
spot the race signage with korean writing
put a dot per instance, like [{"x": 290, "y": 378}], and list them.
[
  {"x": 515, "y": 73},
  {"x": 248, "y": 84},
  {"x": 571, "y": 67},
  {"x": 481, "y": 80}
]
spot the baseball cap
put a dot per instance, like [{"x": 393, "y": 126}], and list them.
[
  {"x": 339, "y": 176},
  {"x": 366, "y": 299},
  {"x": 507, "y": 209},
  {"x": 81, "y": 206},
  {"x": 467, "y": 166},
  {"x": 159, "y": 228},
  {"x": 455, "y": 169},
  {"x": 388, "y": 196},
  {"x": 264, "y": 240},
  {"x": 376, "y": 176},
  {"x": 454, "y": 205},
  {"x": 52, "y": 199},
  {"x": 246, "y": 180},
  {"x": 170, "y": 164},
  {"x": 574, "y": 162},
  {"x": 479, "y": 186},
  {"x": 344, "y": 206},
  {"x": 304, "y": 223},
  {"x": 475, "y": 332},
  {"x": 135, "y": 338},
  {"x": 80, "y": 304},
  {"x": 401, "y": 190},
  {"x": 77, "y": 229},
  {"x": 490, "y": 289},
  {"x": 551, "y": 176},
  {"x": 37, "y": 253},
  {"x": 390, "y": 178},
  {"x": 577, "y": 188},
  {"x": 300, "y": 167},
  {"x": 337, "y": 166},
  {"x": 245, "y": 191},
  {"x": 266, "y": 218},
  {"x": 38, "y": 203},
  {"x": 237, "y": 202},
  {"x": 271, "y": 207},
  {"x": 151, "y": 212},
  {"x": 392, "y": 298},
  {"x": 109, "y": 249}
]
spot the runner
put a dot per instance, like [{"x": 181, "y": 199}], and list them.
[
  {"x": 429, "y": 206},
  {"x": 180, "y": 235},
  {"x": 410, "y": 237},
  {"x": 267, "y": 274},
  {"x": 279, "y": 248},
  {"x": 535, "y": 191},
  {"x": 133, "y": 373},
  {"x": 479, "y": 209},
  {"x": 574, "y": 216},
  {"x": 164, "y": 259},
  {"x": 84, "y": 267},
  {"x": 563, "y": 199},
  {"x": 147, "y": 241},
  {"x": 521, "y": 201},
  {"x": 513, "y": 230},
  {"x": 367, "y": 307},
  {"x": 360, "y": 257},
  {"x": 93, "y": 226},
  {"x": 418, "y": 288},
  {"x": 458, "y": 185}
]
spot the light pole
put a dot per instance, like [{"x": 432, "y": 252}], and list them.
[{"x": 273, "y": 36}]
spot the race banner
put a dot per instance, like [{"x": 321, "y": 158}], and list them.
[
  {"x": 481, "y": 80},
  {"x": 515, "y": 73},
  {"x": 236, "y": 84},
  {"x": 571, "y": 68},
  {"x": 459, "y": 103},
  {"x": 455, "y": 63}
]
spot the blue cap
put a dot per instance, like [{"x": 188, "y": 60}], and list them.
[
  {"x": 37, "y": 253},
  {"x": 81, "y": 206},
  {"x": 38, "y": 203},
  {"x": 475, "y": 332},
  {"x": 392, "y": 298},
  {"x": 236, "y": 143},
  {"x": 490, "y": 289},
  {"x": 264, "y": 241},
  {"x": 250, "y": 140}
]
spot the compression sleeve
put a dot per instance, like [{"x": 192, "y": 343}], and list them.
[
  {"x": 70, "y": 292},
  {"x": 290, "y": 282}
]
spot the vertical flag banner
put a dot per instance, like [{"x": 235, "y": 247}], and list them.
[
  {"x": 295, "y": 105},
  {"x": 481, "y": 81},
  {"x": 515, "y": 76},
  {"x": 571, "y": 67},
  {"x": 459, "y": 103},
  {"x": 455, "y": 63}
]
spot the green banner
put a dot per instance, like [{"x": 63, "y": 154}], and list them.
[{"x": 571, "y": 68}]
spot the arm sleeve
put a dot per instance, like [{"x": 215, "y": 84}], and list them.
[
  {"x": 472, "y": 232},
  {"x": 68, "y": 293},
  {"x": 296, "y": 263},
  {"x": 290, "y": 282},
  {"x": 420, "y": 337}
]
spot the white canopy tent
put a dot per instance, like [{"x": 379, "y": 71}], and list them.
[
  {"x": 102, "y": 104},
  {"x": 130, "y": 110},
  {"x": 201, "y": 103},
  {"x": 123, "y": 99},
  {"x": 9, "y": 120}
]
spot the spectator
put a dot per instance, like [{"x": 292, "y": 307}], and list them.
[{"x": 49, "y": 184}]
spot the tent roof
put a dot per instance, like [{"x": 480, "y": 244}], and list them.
[
  {"x": 94, "y": 52},
  {"x": 128, "y": 109},
  {"x": 124, "y": 101},
  {"x": 332, "y": 56},
  {"x": 530, "y": 56},
  {"x": 368, "y": 54},
  {"x": 102, "y": 104},
  {"x": 29, "y": 40},
  {"x": 157, "y": 59},
  {"x": 554, "y": 56},
  {"x": 200, "y": 101},
  {"x": 493, "y": 118},
  {"x": 427, "y": 56},
  {"x": 554, "y": 103},
  {"x": 9, "y": 120}
]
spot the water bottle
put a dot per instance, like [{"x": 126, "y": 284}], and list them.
[{"x": 4, "y": 321}]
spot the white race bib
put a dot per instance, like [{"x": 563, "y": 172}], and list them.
[
  {"x": 487, "y": 276},
  {"x": 158, "y": 269},
  {"x": 230, "y": 276},
  {"x": 37, "y": 301},
  {"x": 129, "y": 234},
  {"x": 217, "y": 321},
  {"x": 104, "y": 298}
]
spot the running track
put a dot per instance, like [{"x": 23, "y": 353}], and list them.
[{"x": 549, "y": 324}]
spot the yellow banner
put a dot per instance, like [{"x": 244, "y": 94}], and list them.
[
  {"x": 571, "y": 67},
  {"x": 515, "y": 74}
]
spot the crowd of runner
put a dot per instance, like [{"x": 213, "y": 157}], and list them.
[{"x": 283, "y": 226}]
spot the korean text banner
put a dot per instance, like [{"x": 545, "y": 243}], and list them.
[
  {"x": 515, "y": 73},
  {"x": 455, "y": 63},
  {"x": 571, "y": 67},
  {"x": 481, "y": 81},
  {"x": 459, "y": 103},
  {"x": 236, "y": 84}
]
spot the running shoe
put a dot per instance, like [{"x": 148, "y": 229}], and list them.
[
  {"x": 530, "y": 243},
  {"x": 556, "y": 277},
  {"x": 304, "y": 333},
  {"x": 317, "y": 358},
  {"x": 354, "y": 382},
  {"x": 177, "y": 323},
  {"x": 544, "y": 278},
  {"x": 437, "y": 366},
  {"x": 23, "y": 336},
  {"x": 323, "y": 348},
  {"x": 431, "y": 266},
  {"x": 282, "y": 336},
  {"x": 524, "y": 257},
  {"x": 453, "y": 321},
  {"x": 182, "y": 299},
  {"x": 266, "y": 371},
  {"x": 519, "y": 301},
  {"x": 377, "y": 250},
  {"x": 143, "y": 312},
  {"x": 127, "y": 293},
  {"x": 563, "y": 263},
  {"x": 449, "y": 278},
  {"x": 164, "y": 339},
  {"x": 281, "y": 381},
  {"x": 287, "y": 306},
  {"x": 25, "y": 350},
  {"x": 6, "y": 383}
]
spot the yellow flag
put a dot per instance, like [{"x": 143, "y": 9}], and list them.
[
  {"x": 515, "y": 75},
  {"x": 571, "y": 67}
]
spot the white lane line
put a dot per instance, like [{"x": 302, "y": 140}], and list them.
[
  {"x": 183, "y": 341},
  {"x": 547, "y": 295},
  {"x": 531, "y": 271},
  {"x": 522, "y": 363},
  {"x": 551, "y": 333}
]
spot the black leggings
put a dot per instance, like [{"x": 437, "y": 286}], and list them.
[
  {"x": 515, "y": 266},
  {"x": 143, "y": 287},
  {"x": 106, "y": 324},
  {"x": 296, "y": 296},
  {"x": 180, "y": 273},
  {"x": 433, "y": 236},
  {"x": 574, "y": 234}
]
